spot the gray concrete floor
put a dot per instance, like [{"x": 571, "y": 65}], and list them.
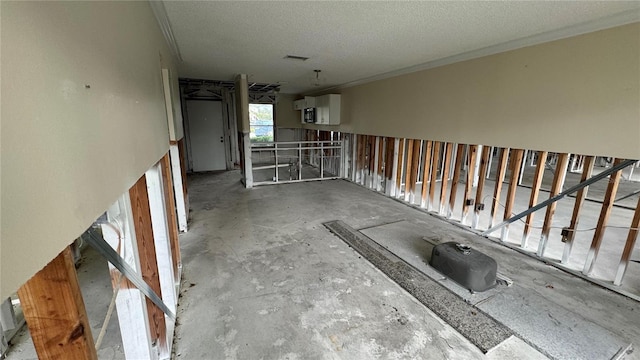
[{"x": 264, "y": 279}]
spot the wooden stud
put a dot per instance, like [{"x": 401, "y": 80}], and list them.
[
  {"x": 361, "y": 157},
  {"x": 380, "y": 161},
  {"x": 55, "y": 313},
  {"x": 456, "y": 178},
  {"x": 535, "y": 191},
  {"x": 471, "y": 168},
  {"x": 408, "y": 177},
  {"x": 394, "y": 170},
  {"x": 161, "y": 237},
  {"x": 388, "y": 166},
  {"x": 148, "y": 263},
  {"x": 445, "y": 175},
  {"x": 607, "y": 205},
  {"x": 556, "y": 187},
  {"x": 372, "y": 161},
  {"x": 353, "y": 147},
  {"x": 497, "y": 191},
  {"x": 133, "y": 318},
  {"x": 435, "y": 161},
  {"x": 415, "y": 169},
  {"x": 628, "y": 246},
  {"x": 482, "y": 176},
  {"x": 587, "y": 169},
  {"x": 178, "y": 185},
  {"x": 183, "y": 172},
  {"x": 516, "y": 166},
  {"x": 400, "y": 163},
  {"x": 172, "y": 219},
  {"x": 426, "y": 172}
]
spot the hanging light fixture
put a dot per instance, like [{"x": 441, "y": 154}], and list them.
[{"x": 316, "y": 80}]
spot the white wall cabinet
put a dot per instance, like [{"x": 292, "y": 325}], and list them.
[
  {"x": 307, "y": 102},
  {"x": 328, "y": 109}
]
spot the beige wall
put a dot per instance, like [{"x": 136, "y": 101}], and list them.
[
  {"x": 286, "y": 117},
  {"x": 68, "y": 151},
  {"x": 578, "y": 95}
]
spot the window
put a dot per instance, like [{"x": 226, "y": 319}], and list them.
[{"x": 261, "y": 122}]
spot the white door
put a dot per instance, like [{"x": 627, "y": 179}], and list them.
[{"x": 206, "y": 133}]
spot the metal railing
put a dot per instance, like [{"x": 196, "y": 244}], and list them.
[{"x": 296, "y": 161}]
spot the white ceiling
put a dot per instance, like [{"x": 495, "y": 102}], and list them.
[{"x": 356, "y": 41}]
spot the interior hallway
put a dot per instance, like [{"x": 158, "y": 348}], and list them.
[{"x": 263, "y": 278}]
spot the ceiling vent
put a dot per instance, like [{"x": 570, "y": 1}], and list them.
[{"x": 296, "y": 57}]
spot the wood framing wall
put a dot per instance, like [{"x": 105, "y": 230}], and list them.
[
  {"x": 142, "y": 228},
  {"x": 416, "y": 170}
]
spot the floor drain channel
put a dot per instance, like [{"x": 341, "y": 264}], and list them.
[{"x": 479, "y": 328}]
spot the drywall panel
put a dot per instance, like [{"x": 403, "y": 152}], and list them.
[
  {"x": 172, "y": 104},
  {"x": 576, "y": 95},
  {"x": 83, "y": 117}
]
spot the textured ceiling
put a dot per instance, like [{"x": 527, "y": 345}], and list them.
[{"x": 352, "y": 41}]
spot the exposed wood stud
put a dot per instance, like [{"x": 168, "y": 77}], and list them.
[
  {"x": 413, "y": 157},
  {"x": 370, "y": 162},
  {"x": 380, "y": 161},
  {"x": 456, "y": 179},
  {"x": 605, "y": 212},
  {"x": 360, "y": 160},
  {"x": 148, "y": 263},
  {"x": 516, "y": 165},
  {"x": 587, "y": 169},
  {"x": 55, "y": 313},
  {"x": 415, "y": 169},
  {"x": 523, "y": 165},
  {"x": 183, "y": 173},
  {"x": 482, "y": 176},
  {"x": 132, "y": 313},
  {"x": 426, "y": 172},
  {"x": 388, "y": 166},
  {"x": 394, "y": 171},
  {"x": 497, "y": 191},
  {"x": 408, "y": 177},
  {"x": 556, "y": 188},
  {"x": 468, "y": 189},
  {"x": 400, "y": 163},
  {"x": 435, "y": 161},
  {"x": 182, "y": 206},
  {"x": 172, "y": 219},
  {"x": 354, "y": 157},
  {"x": 445, "y": 175},
  {"x": 628, "y": 246},
  {"x": 535, "y": 191}
]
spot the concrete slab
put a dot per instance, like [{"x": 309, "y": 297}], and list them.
[
  {"x": 566, "y": 335},
  {"x": 514, "y": 348},
  {"x": 264, "y": 279},
  {"x": 407, "y": 241},
  {"x": 267, "y": 274},
  {"x": 482, "y": 330}
]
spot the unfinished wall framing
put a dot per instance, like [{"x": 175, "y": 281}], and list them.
[
  {"x": 463, "y": 183},
  {"x": 141, "y": 231}
]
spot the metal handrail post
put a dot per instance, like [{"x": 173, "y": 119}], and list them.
[
  {"x": 321, "y": 160},
  {"x": 275, "y": 152}
]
